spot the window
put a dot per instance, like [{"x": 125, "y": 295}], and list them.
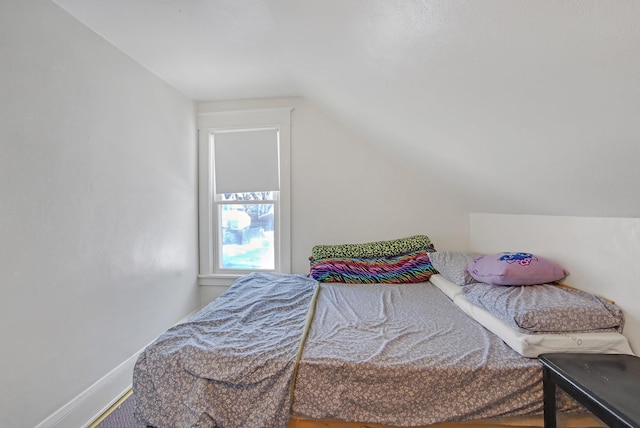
[
  {"x": 246, "y": 230},
  {"x": 244, "y": 192}
]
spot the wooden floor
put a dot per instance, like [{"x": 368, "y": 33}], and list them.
[
  {"x": 565, "y": 421},
  {"x": 325, "y": 423},
  {"x": 121, "y": 416}
]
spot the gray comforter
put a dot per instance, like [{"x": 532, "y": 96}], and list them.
[
  {"x": 391, "y": 354},
  {"x": 405, "y": 355},
  {"x": 230, "y": 364}
]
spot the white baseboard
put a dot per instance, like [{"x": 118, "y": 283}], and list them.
[
  {"x": 95, "y": 400},
  {"x": 91, "y": 403}
]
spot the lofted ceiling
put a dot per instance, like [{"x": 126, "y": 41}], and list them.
[{"x": 522, "y": 107}]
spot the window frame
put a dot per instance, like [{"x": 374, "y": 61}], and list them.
[{"x": 208, "y": 123}]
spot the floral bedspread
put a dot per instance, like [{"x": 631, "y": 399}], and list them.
[
  {"x": 231, "y": 364},
  {"x": 392, "y": 354},
  {"x": 405, "y": 355}
]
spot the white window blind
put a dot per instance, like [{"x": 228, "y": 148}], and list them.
[{"x": 246, "y": 160}]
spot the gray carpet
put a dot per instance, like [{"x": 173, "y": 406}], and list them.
[{"x": 122, "y": 416}]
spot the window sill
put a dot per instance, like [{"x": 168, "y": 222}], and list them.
[{"x": 218, "y": 279}]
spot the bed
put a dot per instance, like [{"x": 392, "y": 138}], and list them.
[{"x": 291, "y": 351}]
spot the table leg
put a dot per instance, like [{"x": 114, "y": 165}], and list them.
[{"x": 549, "y": 397}]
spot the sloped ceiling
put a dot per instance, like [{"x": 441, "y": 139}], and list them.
[{"x": 523, "y": 107}]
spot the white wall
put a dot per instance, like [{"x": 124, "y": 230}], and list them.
[
  {"x": 601, "y": 254},
  {"x": 97, "y": 209},
  {"x": 343, "y": 190}
]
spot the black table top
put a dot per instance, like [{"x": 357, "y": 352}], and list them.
[{"x": 612, "y": 380}]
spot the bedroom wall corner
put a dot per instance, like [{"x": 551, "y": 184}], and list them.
[{"x": 601, "y": 254}]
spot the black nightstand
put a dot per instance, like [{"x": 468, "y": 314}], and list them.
[{"x": 608, "y": 385}]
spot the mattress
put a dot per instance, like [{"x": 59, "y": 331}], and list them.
[
  {"x": 406, "y": 355},
  {"x": 533, "y": 344},
  {"x": 397, "y": 355}
]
